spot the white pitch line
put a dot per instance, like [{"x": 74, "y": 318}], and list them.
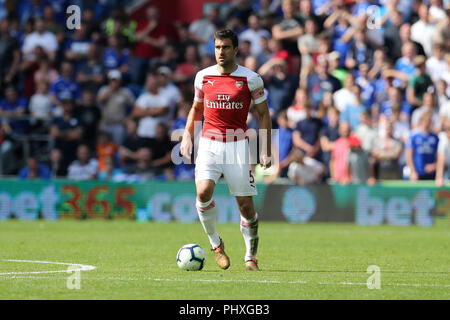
[
  {"x": 87, "y": 268},
  {"x": 245, "y": 281},
  {"x": 82, "y": 267}
]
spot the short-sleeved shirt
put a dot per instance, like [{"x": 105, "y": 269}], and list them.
[
  {"x": 147, "y": 125},
  {"x": 417, "y": 114},
  {"x": 282, "y": 139},
  {"x": 18, "y": 126},
  {"x": 309, "y": 129},
  {"x": 43, "y": 172},
  {"x": 46, "y": 40},
  {"x": 281, "y": 91},
  {"x": 255, "y": 39},
  {"x": 406, "y": 66},
  {"x": 309, "y": 172},
  {"x": 332, "y": 133},
  {"x": 318, "y": 86},
  {"x": 424, "y": 147},
  {"x": 420, "y": 83},
  {"x": 91, "y": 70},
  {"x": 77, "y": 171},
  {"x": 352, "y": 115},
  {"x": 340, "y": 152},
  {"x": 40, "y": 105},
  {"x": 386, "y": 108},
  {"x": 114, "y": 60},
  {"x": 227, "y": 98},
  {"x": 63, "y": 85},
  {"x": 68, "y": 148},
  {"x": 115, "y": 107}
]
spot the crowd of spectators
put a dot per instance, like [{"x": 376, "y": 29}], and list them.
[{"x": 358, "y": 90}]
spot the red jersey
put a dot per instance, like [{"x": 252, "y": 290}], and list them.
[{"x": 226, "y": 98}]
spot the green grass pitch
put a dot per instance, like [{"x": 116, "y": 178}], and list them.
[{"x": 138, "y": 261}]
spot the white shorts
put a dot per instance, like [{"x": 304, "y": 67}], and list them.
[{"x": 231, "y": 159}]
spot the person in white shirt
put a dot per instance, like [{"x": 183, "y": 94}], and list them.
[
  {"x": 150, "y": 108},
  {"x": 423, "y": 31},
  {"x": 254, "y": 34},
  {"x": 344, "y": 97},
  {"x": 304, "y": 170},
  {"x": 168, "y": 89},
  {"x": 85, "y": 167},
  {"x": 202, "y": 30},
  {"x": 40, "y": 38},
  {"x": 443, "y": 157},
  {"x": 436, "y": 64},
  {"x": 40, "y": 103}
]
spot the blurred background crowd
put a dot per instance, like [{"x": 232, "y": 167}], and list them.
[{"x": 358, "y": 90}]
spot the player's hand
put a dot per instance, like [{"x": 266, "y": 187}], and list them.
[
  {"x": 431, "y": 167},
  {"x": 414, "y": 176},
  {"x": 265, "y": 161},
  {"x": 186, "y": 147}
]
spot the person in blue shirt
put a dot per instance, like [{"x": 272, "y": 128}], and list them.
[
  {"x": 421, "y": 151},
  {"x": 395, "y": 99},
  {"x": 65, "y": 85},
  {"x": 285, "y": 135},
  {"x": 34, "y": 170},
  {"x": 114, "y": 57},
  {"x": 366, "y": 84},
  {"x": 306, "y": 135},
  {"x": 13, "y": 107},
  {"x": 405, "y": 64},
  {"x": 352, "y": 113},
  {"x": 182, "y": 171},
  {"x": 67, "y": 131},
  {"x": 76, "y": 47},
  {"x": 321, "y": 81}
]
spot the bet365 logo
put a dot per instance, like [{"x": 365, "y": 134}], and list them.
[{"x": 73, "y": 21}]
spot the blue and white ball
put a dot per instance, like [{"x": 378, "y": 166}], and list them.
[{"x": 191, "y": 257}]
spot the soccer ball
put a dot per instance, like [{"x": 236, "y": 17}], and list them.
[{"x": 191, "y": 257}]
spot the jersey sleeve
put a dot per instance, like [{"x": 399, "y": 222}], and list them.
[
  {"x": 256, "y": 87},
  {"x": 198, "y": 87}
]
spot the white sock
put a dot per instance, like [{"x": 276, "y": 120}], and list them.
[
  {"x": 249, "y": 229},
  {"x": 207, "y": 213}
]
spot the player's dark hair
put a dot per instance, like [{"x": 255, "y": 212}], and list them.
[{"x": 227, "y": 34}]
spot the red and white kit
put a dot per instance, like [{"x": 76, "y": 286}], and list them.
[{"x": 226, "y": 99}]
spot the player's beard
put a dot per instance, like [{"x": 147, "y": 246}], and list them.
[{"x": 227, "y": 63}]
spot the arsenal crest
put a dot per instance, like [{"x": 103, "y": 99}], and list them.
[{"x": 239, "y": 84}]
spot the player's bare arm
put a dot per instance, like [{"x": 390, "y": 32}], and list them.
[
  {"x": 265, "y": 123},
  {"x": 195, "y": 114}
]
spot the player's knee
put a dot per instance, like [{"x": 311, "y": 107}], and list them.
[
  {"x": 204, "y": 191},
  {"x": 204, "y": 194}
]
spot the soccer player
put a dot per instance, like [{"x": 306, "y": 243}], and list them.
[{"x": 223, "y": 94}]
